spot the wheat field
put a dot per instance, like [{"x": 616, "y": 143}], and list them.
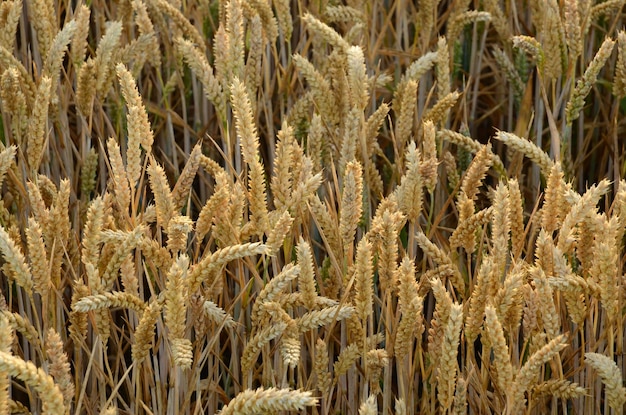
[{"x": 272, "y": 207}]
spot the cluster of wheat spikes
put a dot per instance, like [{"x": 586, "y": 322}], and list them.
[{"x": 247, "y": 207}]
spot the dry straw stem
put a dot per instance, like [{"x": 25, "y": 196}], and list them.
[
  {"x": 527, "y": 148},
  {"x": 502, "y": 362},
  {"x": 583, "y": 86},
  {"x": 270, "y": 400},
  {"x": 611, "y": 377},
  {"x": 529, "y": 371},
  {"x": 49, "y": 392},
  {"x": 109, "y": 300}
]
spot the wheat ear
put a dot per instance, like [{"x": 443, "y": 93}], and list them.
[
  {"x": 59, "y": 365},
  {"x": 611, "y": 377},
  {"x": 27, "y": 372},
  {"x": 584, "y": 85},
  {"x": 268, "y": 400}
]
